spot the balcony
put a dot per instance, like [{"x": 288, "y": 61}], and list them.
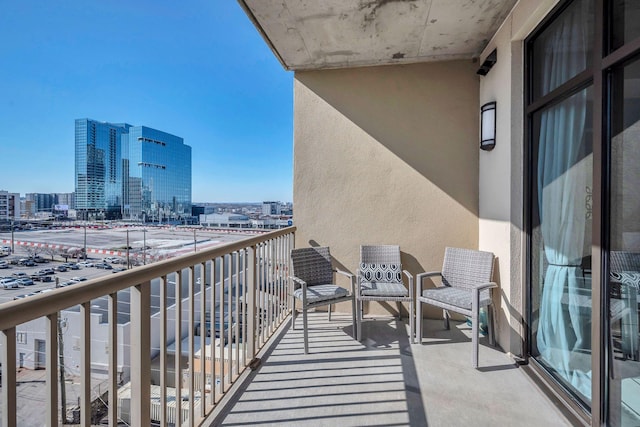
[{"x": 162, "y": 333}]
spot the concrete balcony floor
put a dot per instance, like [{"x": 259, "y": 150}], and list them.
[{"x": 385, "y": 380}]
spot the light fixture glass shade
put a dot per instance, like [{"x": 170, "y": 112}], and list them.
[{"x": 488, "y": 126}]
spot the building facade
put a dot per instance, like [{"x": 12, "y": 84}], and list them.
[
  {"x": 156, "y": 183},
  {"x": 271, "y": 208},
  {"x": 98, "y": 168},
  {"x": 131, "y": 172},
  {"x": 9, "y": 206}
]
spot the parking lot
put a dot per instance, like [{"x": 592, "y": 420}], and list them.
[
  {"x": 38, "y": 286},
  {"x": 146, "y": 245}
]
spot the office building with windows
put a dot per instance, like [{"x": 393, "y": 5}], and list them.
[
  {"x": 131, "y": 172},
  {"x": 9, "y": 206}
]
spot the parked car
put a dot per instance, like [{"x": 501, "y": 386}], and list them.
[
  {"x": 17, "y": 297},
  {"x": 19, "y": 274},
  {"x": 118, "y": 269},
  {"x": 9, "y": 283},
  {"x": 60, "y": 268},
  {"x": 4, "y": 264},
  {"x": 85, "y": 264},
  {"x": 103, "y": 265},
  {"x": 71, "y": 265},
  {"x": 46, "y": 271},
  {"x": 25, "y": 281},
  {"x": 78, "y": 279}
]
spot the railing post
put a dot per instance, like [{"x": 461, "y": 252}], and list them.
[
  {"x": 52, "y": 370},
  {"x": 191, "y": 359},
  {"x": 141, "y": 355},
  {"x": 202, "y": 381},
  {"x": 85, "y": 365},
  {"x": 178, "y": 346},
  {"x": 113, "y": 359},
  {"x": 163, "y": 350},
  {"x": 251, "y": 284},
  {"x": 8, "y": 341}
]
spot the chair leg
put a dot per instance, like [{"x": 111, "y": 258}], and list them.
[
  {"x": 445, "y": 315},
  {"x": 474, "y": 328},
  {"x": 359, "y": 320},
  {"x": 418, "y": 335},
  {"x": 293, "y": 313},
  {"x": 353, "y": 318},
  {"x": 399, "y": 306},
  {"x": 491, "y": 325},
  {"x": 329, "y": 310},
  {"x": 411, "y": 321},
  {"x": 306, "y": 330}
]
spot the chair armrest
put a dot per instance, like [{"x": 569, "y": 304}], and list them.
[
  {"x": 344, "y": 273},
  {"x": 302, "y": 283},
  {"x": 421, "y": 276},
  {"x": 298, "y": 280},
  {"x": 410, "y": 277},
  {"x": 481, "y": 286},
  {"x": 351, "y": 279}
]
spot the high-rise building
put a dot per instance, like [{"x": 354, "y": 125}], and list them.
[
  {"x": 98, "y": 168},
  {"x": 66, "y": 199},
  {"x": 9, "y": 206},
  {"x": 131, "y": 172},
  {"x": 43, "y": 202},
  {"x": 271, "y": 208}
]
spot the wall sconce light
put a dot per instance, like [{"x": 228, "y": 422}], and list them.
[{"x": 488, "y": 126}]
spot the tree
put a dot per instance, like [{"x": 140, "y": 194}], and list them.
[
  {"x": 32, "y": 251},
  {"x": 51, "y": 251}
]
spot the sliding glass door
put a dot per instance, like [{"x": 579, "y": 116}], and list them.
[
  {"x": 583, "y": 206},
  {"x": 561, "y": 184},
  {"x": 624, "y": 255}
]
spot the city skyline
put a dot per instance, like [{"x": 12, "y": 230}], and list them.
[{"x": 200, "y": 71}]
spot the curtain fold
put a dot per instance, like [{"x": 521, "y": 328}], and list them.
[{"x": 563, "y": 174}]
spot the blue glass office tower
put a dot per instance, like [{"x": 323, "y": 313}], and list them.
[
  {"x": 98, "y": 169},
  {"x": 157, "y": 175},
  {"x": 131, "y": 172}
]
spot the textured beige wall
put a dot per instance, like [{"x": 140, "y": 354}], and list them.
[
  {"x": 387, "y": 155},
  {"x": 501, "y": 170}
]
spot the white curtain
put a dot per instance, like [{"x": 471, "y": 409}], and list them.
[{"x": 564, "y": 172}]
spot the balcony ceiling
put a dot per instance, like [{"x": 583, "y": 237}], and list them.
[{"x": 311, "y": 34}]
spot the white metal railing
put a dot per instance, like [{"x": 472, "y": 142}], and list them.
[{"x": 224, "y": 303}]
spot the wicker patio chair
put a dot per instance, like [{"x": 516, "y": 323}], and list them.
[
  {"x": 624, "y": 267},
  {"x": 466, "y": 286},
  {"x": 313, "y": 285},
  {"x": 380, "y": 279}
]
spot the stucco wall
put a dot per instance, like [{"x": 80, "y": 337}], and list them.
[
  {"x": 387, "y": 155},
  {"x": 501, "y": 170}
]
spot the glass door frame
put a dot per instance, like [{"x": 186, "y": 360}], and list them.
[{"x": 598, "y": 74}]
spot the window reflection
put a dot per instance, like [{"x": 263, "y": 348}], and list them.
[{"x": 624, "y": 258}]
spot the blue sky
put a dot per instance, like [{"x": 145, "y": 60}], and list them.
[{"x": 197, "y": 69}]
